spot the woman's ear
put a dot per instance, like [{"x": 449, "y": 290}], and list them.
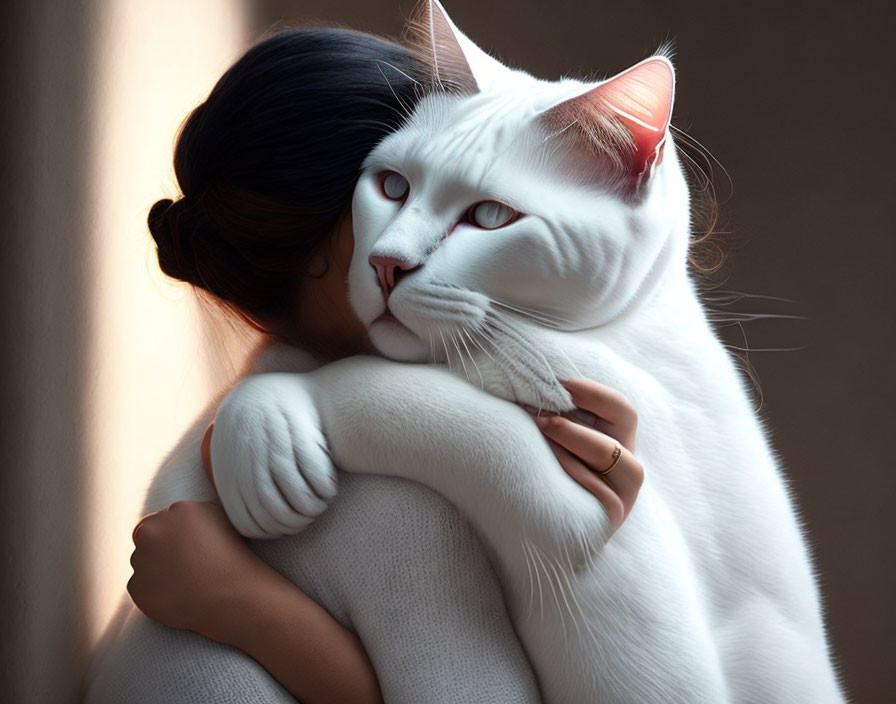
[{"x": 317, "y": 266}]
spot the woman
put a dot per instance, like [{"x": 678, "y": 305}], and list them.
[{"x": 267, "y": 165}]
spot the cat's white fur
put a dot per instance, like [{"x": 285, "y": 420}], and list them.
[{"x": 706, "y": 593}]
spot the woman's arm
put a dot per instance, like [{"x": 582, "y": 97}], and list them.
[{"x": 193, "y": 571}]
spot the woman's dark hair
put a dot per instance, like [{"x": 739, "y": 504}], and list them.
[{"x": 267, "y": 164}]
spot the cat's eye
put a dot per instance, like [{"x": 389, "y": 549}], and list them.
[
  {"x": 394, "y": 185},
  {"x": 490, "y": 215}
]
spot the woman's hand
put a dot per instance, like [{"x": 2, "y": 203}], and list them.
[
  {"x": 191, "y": 568},
  {"x": 589, "y": 454},
  {"x": 193, "y": 571}
]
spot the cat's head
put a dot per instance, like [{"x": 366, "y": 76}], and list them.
[{"x": 507, "y": 203}]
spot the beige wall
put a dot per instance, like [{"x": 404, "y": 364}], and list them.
[
  {"x": 793, "y": 99},
  {"x": 151, "y": 370},
  {"x": 105, "y": 361}
]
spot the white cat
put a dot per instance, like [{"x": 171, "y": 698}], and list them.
[{"x": 524, "y": 232}]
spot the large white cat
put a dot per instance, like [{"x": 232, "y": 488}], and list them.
[{"x": 519, "y": 232}]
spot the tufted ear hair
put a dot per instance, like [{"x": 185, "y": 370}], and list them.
[
  {"x": 457, "y": 63},
  {"x": 639, "y": 101}
]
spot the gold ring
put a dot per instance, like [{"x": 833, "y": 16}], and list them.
[{"x": 617, "y": 454}]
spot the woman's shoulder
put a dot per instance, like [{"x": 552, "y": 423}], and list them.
[{"x": 272, "y": 356}]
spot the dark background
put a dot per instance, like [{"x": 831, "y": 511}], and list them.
[{"x": 794, "y": 99}]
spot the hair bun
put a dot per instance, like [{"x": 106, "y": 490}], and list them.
[
  {"x": 159, "y": 225},
  {"x": 173, "y": 238}
]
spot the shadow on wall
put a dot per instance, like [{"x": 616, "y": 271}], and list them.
[{"x": 45, "y": 226}]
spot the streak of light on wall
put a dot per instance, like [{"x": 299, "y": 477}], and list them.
[{"x": 157, "y": 60}]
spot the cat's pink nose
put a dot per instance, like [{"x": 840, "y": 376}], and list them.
[{"x": 389, "y": 270}]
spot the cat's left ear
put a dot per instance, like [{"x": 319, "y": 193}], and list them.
[
  {"x": 639, "y": 99},
  {"x": 456, "y": 62}
]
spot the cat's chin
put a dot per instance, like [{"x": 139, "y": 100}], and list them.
[{"x": 396, "y": 341}]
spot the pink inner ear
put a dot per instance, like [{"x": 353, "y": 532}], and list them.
[
  {"x": 641, "y": 98},
  {"x": 626, "y": 116}
]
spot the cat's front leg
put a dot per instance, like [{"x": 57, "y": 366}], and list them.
[
  {"x": 482, "y": 453},
  {"x": 275, "y": 435},
  {"x": 270, "y": 460}
]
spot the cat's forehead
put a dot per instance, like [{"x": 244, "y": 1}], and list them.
[
  {"x": 469, "y": 133},
  {"x": 453, "y": 125}
]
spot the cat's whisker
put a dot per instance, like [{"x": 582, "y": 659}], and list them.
[
  {"x": 721, "y": 317},
  {"x": 519, "y": 364},
  {"x": 384, "y": 127},
  {"x": 472, "y": 359},
  {"x": 408, "y": 109},
  {"x": 582, "y": 621},
  {"x": 538, "y": 556},
  {"x": 715, "y": 294},
  {"x": 515, "y": 368},
  {"x": 399, "y": 71},
  {"x": 724, "y": 317},
  {"x": 447, "y": 354},
  {"x": 537, "y": 582},
  {"x": 701, "y": 181},
  {"x": 478, "y": 333},
  {"x": 480, "y": 345},
  {"x": 488, "y": 340},
  {"x": 538, "y": 569},
  {"x": 525, "y": 544},
  {"x": 750, "y": 350},
  {"x": 439, "y": 307},
  {"x": 432, "y": 347},
  {"x": 748, "y": 369},
  {"x": 460, "y": 356},
  {"x": 557, "y": 574},
  {"x": 537, "y": 315},
  {"x": 701, "y": 148},
  {"x": 525, "y": 348}
]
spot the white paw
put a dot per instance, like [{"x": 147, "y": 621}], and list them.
[{"x": 270, "y": 459}]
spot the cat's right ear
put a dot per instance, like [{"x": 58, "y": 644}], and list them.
[
  {"x": 457, "y": 64},
  {"x": 639, "y": 101}
]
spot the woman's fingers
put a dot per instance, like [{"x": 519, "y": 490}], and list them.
[
  {"x": 585, "y": 441},
  {"x": 615, "y": 415},
  {"x": 140, "y": 525},
  {"x": 595, "y": 450},
  {"x": 575, "y": 468},
  {"x": 590, "y": 445},
  {"x": 599, "y": 399}
]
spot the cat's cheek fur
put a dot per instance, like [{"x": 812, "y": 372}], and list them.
[
  {"x": 369, "y": 215},
  {"x": 396, "y": 341}
]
